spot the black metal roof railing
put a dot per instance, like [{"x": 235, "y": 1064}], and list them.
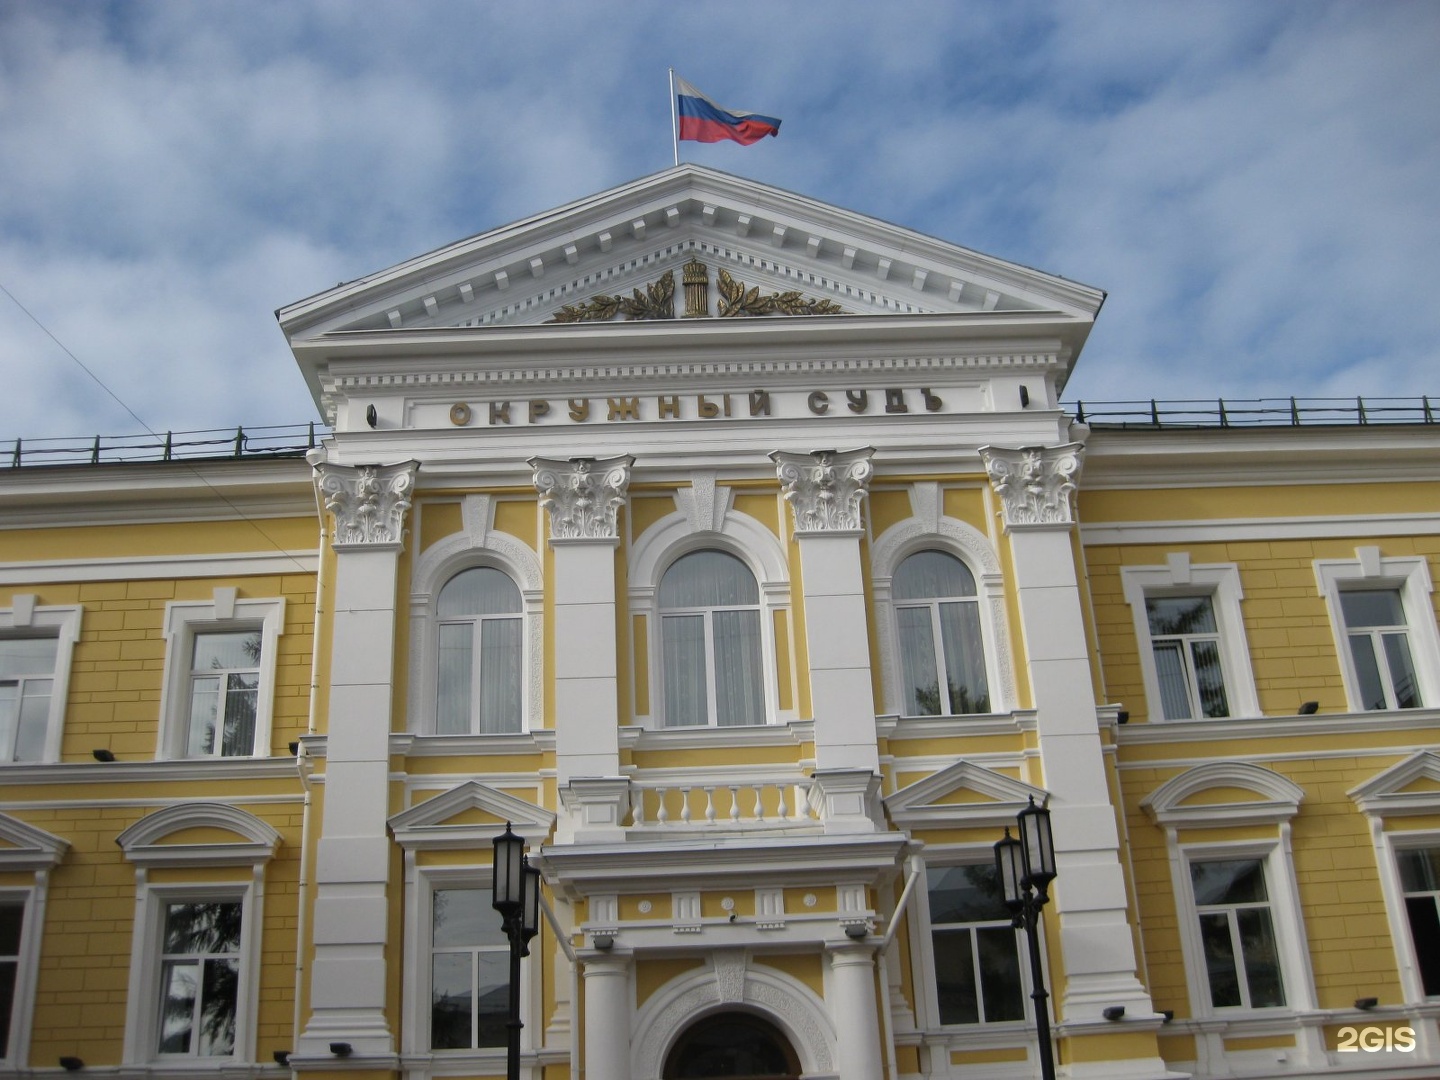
[
  {"x": 213, "y": 445},
  {"x": 1256, "y": 412}
]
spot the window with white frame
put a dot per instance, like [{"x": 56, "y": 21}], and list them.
[
  {"x": 200, "y": 972},
  {"x": 36, "y": 644},
  {"x": 1237, "y": 933},
  {"x": 469, "y": 970},
  {"x": 941, "y": 649},
  {"x": 1194, "y": 658},
  {"x": 710, "y": 642},
  {"x": 1385, "y": 632},
  {"x": 974, "y": 947},
  {"x": 1420, "y": 883},
  {"x": 12, "y": 926},
  {"x": 220, "y": 676},
  {"x": 480, "y": 654}
]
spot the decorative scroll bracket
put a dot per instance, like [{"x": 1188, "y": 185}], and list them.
[
  {"x": 1035, "y": 483},
  {"x": 583, "y": 495},
  {"x": 825, "y": 488}
]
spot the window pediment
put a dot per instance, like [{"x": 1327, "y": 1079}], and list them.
[
  {"x": 1224, "y": 793},
  {"x": 469, "y": 816},
  {"x": 1408, "y": 787},
  {"x": 204, "y": 834},
  {"x": 23, "y": 847},
  {"x": 963, "y": 791}
]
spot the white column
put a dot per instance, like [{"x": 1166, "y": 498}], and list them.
[
  {"x": 825, "y": 490},
  {"x": 853, "y": 1010},
  {"x": 607, "y": 1017},
  {"x": 583, "y": 497},
  {"x": 1035, "y": 486},
  {"x": 352, "y": 871}
]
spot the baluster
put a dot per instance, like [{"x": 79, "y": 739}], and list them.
[
  {"x": 662, "y": 815},
  {"x": 637, "y": 807},
  {"x": 782, "y": 809},
  {"x": 685, "y": 805},
  {"x": 710, "y": 804},
  {"x": 802, "y": 802},
  {"x": 734, "y": 802},
  {"x": 759, "y": 790}
]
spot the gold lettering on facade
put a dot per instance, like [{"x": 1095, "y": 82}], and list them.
[
  {"x": 857, "y": 401},
  {"x": 538, "y": 407},
  {"x": 819, "y": 402},
  {"x": 759, "y": 402},
  {"x": 623, "y": 408},
  {"x": 499, "y": 412},
  {"x": 579, "y": 409},
  {"x": 895, "y": 401},
  {"x": 669, "y": 406}
]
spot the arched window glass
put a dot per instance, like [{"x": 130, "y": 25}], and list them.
[
  {"x": 942, "y": 653},
  {"x": 710, "y": 642},
  {"x": 480, "y": 657},
  {"x": 732, "y": 1046}
]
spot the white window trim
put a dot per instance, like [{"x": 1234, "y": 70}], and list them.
[
  {"x": 24, "y": 619},
  {"x": 922, "y": 953},
  {"x": 477, "y": 545},
  {"x": 144, "y": 844},
  {"x": 27, "y": 849},
  {"x": 706, "y": 521},
  {"x": 1276, "y": 803},
  {"x": 928, "y": 530},
  {"x": 1219, "y": 581},
  {"x": 1384, "y": 798},
  {"x": 183, "y": 620},
  {"x": 1411, "y": 576}
]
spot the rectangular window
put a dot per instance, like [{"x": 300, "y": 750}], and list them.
[
  {"x": 975, "y": 948},
  {"x": 1185, "y": 640},
  {"x": 27, "y": 680},
  {"x": 224, "y": 692},
  {"x": 200, "y": 978},
  {"x": 469, "y": 971},
  {"x": 12, "y": 923},
  {"x": 1242, "y": 961},
  {"x": 1380, "y": 648},
  {"x": 1420, "y": 880}
]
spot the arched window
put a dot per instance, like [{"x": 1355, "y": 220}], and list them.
[
  {"x": 709, "y": 607},
  {"x": 732, "y": 1045},
  {"x": 942, "y": 652},
  {"x": 478, "y": 683}
]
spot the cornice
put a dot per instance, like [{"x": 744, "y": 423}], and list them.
[
  {"x": 154, "y": 567},
  {"x": 91, "y": 773},
  {"x": 1239, "y": 530},
  {"x": 1272, "y": 727}
]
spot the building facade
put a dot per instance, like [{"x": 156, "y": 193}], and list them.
[{"x": 736, "y": 551}]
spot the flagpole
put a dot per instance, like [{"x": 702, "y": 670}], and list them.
[{"x": 674, "y": 121}]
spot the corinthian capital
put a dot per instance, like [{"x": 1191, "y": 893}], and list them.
[
  {"x": 825, "y": 488},
  {"x": 1034, "y": 482},
  {"x": 369, "y": 501},
  {"x": 583, "y": 495}
]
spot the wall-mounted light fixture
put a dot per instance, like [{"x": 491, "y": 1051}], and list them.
[
  {"x": 282, "y": 1058},
  {"x": 1366, "y": 1002},
  {"x": 71, "y": 1064},
  {"x": 341, "y": 1049},
  {"x": 102, "y": 754},
  {"x": 1310, "y": 708},
  {"x": 1113, "y": 1012}
]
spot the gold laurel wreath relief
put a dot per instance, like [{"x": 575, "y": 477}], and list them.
[{"x": 658, "y": 301}]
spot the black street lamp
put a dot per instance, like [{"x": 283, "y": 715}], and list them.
[
  {"x": 516, "y": 896},
  {"x": 1026, "y": 867}
]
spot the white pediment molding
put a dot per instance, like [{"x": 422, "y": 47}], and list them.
[
  {"x": 145, "y": 842},
  {"x": 26, "y": 848},
  {"x": 1277, "y": 799},
  {"x": 629, "y": 237},
  {"x": 431, "y": 824},
  {"x": 919, "y": 805},
  {"x": 1384, "y": 794}
]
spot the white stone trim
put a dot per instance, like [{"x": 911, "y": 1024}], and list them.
[
  {"x": 27, "y": 849},
  {"x": 1236, "y": 530},
  {"x": 929, "y": 530},
  {"x": 159, "y": 567},
  {"x": 686, "y": 531},
  {"x": 728, "y": 981},
  {"x": 1279, "y": 799},
  {"x": 23, "y": 620},
  {"x": 1411, "y": 576},
  {"x": 427, "y": 826},
  {"x": 1179, "y": 577},
  {"x": 479, "y": 544},
  {"x": 144, "y": 842},
  {"x": 916, "y": 805},
  {"x": 224, "y": 611}
]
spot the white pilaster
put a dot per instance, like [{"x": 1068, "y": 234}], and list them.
[
  {"x": 1035, "y": 485},
  {"x": 608, "y": 1000},
  {"x": 583, "y": 497},
  {"x": 851, "y": 988},
  {"x": 348, "y": 978},
  {"x": 825, "y": 489}
]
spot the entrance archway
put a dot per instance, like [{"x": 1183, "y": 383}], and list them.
[{"x": 732, "y": 1046}]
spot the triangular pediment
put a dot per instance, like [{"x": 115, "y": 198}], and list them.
[
  {"x": 24, "y": 847},
  {"x": 962, "y": 794},
  {"x": 469, "y": 816},
  {"x": 623, "y": 255},
  {"x": 1411, "y": 786}
]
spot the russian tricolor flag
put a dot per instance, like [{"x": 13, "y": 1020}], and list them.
[{"x": 701, "y": 120}]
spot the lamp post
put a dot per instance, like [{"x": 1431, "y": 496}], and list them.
[
  {"x": 1026, "y": 867},
  {"x": 516, "y": 896}
]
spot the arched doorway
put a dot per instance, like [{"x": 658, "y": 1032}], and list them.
[{"x": 732, "y": 1046}]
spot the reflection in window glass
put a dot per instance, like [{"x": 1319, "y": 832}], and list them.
[
  {"x": 1242, "y": 960},
  {"x": 469, "y": 972},
  {"x": 1420, "y": 879},
  {"x": 200, "y": 978},
  {"x": 942, "y": 653},
  {"x": 977, "y": 962}
]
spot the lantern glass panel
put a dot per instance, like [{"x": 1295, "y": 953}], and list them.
[
  {"x": 1009, "y": 864},
  {"x": 1039, "y": 845},
  {"x": 509, "y": 856}
]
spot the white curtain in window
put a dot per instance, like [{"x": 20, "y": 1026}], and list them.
[
  {"x": 682, "y": 646},
  {"x": 500, "y": 679},
  {"x": 739, "y": 685}
]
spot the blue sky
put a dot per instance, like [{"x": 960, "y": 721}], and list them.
[{"x": 1254, "y": 184}]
